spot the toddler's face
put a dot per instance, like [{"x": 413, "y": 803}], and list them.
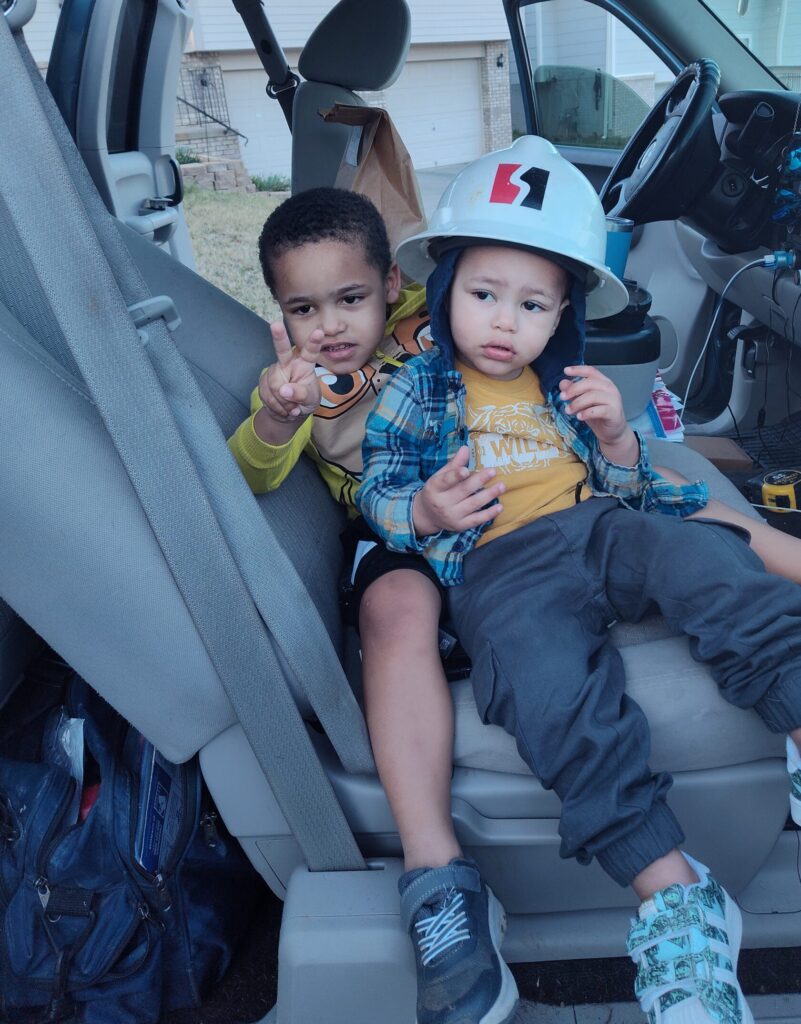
[
  {"x": 331, "y": 285},
  {"x": 505, "y": 305}
]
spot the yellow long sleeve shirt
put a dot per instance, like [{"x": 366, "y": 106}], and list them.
[{"x": 332, "y": 437}]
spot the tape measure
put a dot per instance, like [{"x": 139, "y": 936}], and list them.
[{"x": 780, "y": 489}]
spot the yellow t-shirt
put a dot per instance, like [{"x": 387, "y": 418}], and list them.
[{"x": 512, "y": 431}]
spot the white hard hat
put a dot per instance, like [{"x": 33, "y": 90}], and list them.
[{"x": 526, "y": 195}]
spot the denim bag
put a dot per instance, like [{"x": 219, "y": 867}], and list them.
[{"x": 87, "y": 930}]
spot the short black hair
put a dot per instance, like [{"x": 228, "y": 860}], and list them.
[{"x": 324, "y": 214}]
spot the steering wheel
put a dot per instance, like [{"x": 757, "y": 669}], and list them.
[{"x": 664, "y": 165}]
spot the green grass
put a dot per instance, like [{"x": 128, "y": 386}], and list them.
[
  {"x": 271, "y": 183},
  {"x": 186, "y": 156},
  {"x": 224, "y": 228}
]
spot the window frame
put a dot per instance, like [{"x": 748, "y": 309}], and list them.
[{"x": 126, "y": 89}]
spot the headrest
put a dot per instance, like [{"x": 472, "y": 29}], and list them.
[
  {"x": 359, "y": 45},
  {"x": 18, "y": 12}
]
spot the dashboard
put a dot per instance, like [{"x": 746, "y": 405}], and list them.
[
  {"x": 751, "y": 197},
  {"x": 751, "y": 202}
]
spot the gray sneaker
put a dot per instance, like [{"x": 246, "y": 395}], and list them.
[{"x": 456, "y": 925}]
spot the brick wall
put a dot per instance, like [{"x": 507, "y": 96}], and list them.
[
  {"x": 497, "y": 109},
  {"x": 201, "y": 107},
  {"x": 218, "y": 175}
]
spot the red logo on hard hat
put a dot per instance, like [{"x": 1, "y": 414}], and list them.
[{"x": 504, "y": 190}]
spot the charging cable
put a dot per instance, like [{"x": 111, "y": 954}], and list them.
[{"x": 782, "y": 259}]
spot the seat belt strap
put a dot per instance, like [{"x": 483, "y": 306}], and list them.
[
  {"x": 42, "y": 201},
  {"x": 305, "y": 644},
  {"x": 281, "y": 81}
]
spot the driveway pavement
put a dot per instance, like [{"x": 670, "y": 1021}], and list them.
[{"x": 432, "y": 181}]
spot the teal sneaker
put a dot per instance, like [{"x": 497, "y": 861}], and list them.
[
  {"x": 456, "y": 926},
  {"x": 794, "y": 770},
  {"x": 685, "y": 944}
]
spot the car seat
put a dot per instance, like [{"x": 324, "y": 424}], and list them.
[
  {"x": 356, "y": 47},
  {"x": 81, "y": 565}
]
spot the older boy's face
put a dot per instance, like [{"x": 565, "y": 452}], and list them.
[
  {"x": 331, "y": 285},
  {"x": 504, "y": 308}
]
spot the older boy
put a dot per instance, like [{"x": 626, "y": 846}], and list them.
[
  {"x": 326, "y": 259},
  {"x": 517, "y": 247}
]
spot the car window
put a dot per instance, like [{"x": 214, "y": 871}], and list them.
[
  {"x": 771, "y": 29},
  {"x": 593, "y": 78}
]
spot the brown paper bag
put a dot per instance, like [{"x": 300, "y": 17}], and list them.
[{"x": 377, "y": 164}]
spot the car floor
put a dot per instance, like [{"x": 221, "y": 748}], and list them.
[
  {"x": 772, "y": 448},
  {"x": 559, "y": 992}
]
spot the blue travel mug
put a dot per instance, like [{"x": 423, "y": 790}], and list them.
[{"x": 618, "y": 243}]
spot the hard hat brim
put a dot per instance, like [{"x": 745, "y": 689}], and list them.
[{"x": 606, "y": 294}]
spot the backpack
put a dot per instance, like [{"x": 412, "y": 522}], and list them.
[{"x": 121, "y": 895}]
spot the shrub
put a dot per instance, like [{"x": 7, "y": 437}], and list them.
[
  {"x": 186, "y": 156},
  {"x": 271, "y": 183}
]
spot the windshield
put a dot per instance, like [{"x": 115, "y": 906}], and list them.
[{"x": 771, "y": 29}]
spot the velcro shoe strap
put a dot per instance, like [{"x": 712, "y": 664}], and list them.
[
  {"x": 661, "y": 977},
  {"x": 664, "y": 927},
  {"x": 429, "y": 885},
  {"x": 722, "y": 1001}
]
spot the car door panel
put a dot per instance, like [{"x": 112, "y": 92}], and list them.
[{"x": 114, "y": 77}]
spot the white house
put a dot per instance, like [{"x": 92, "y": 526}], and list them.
[
  {"x": 452, "y": 101},
  {"x": 450, "y": 104},
  {"x": 438, "y": 103}
]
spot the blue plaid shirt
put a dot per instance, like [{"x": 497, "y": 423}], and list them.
[{"x": 418, "y": 424}]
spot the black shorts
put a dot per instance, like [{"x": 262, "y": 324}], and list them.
[{"x": 379, "y": 561}]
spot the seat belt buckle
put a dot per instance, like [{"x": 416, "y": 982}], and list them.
[
  {"x": 158, "y": 307},
  {"x": 274, "y": 89},
  {"x": 155, "y": 203}
]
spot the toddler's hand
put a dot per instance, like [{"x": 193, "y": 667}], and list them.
[
  {"x": 596, "y": 401},
  {"x": 289, "y": 388},
  {"x": 453, "y": 498}
]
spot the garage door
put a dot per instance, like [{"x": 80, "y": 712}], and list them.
[
  {"x": 436, "y": 107},
  {"x": 252, "y": 112}
]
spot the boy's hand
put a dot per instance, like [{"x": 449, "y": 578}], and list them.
[
  {"x": 596, "y": 401},
  {"x": 289, "y": 388},
  {"x": 453, "y": 498}
]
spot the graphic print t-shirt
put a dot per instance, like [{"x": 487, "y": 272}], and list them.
[
  {"x": 512, "y": 431},
  {"x": 347, "y": 399}
]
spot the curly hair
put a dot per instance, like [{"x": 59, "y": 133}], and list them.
[{"x": 324, "y": 214}]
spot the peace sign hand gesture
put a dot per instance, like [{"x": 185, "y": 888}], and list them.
[{"x": 289, "y": 389}]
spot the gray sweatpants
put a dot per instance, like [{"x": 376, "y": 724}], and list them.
[{"x": 533, "y": 613}]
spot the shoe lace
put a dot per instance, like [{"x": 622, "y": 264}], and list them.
[{"x": 442, "y": 930}]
